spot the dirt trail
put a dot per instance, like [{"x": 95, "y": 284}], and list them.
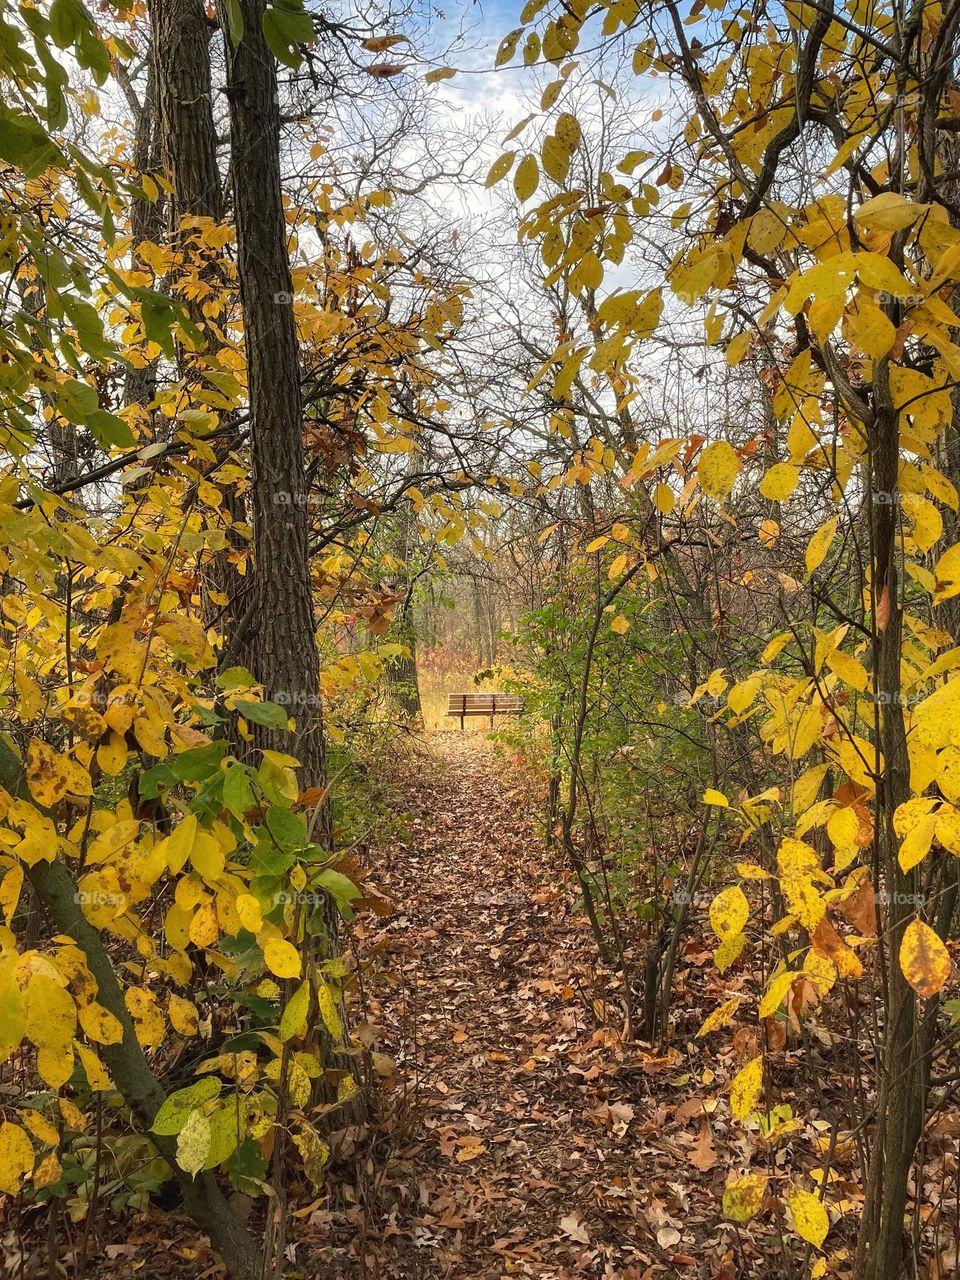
[{"x": 536, "y": 1147}]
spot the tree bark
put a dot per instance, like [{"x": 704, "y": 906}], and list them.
[
  {"x": 188, "y": 146},
  {"x": 283, "y": 649},
  {"x": 181, "y": 36},
  {"x": 905, "y": 1053}
]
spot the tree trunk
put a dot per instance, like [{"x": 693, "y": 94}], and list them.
[
  {"x": 188, "y": 145},
  {"x": 181, "y": 35},
  {"x": 905, "y": 1053},
  {"x": 282, "y": 646},
  {"x": 146, "y": 216}
]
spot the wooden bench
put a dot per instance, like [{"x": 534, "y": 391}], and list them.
[{"x": 484, "y": 704}]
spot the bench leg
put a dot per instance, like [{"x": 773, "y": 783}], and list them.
[{"x": 461, "y": 722}]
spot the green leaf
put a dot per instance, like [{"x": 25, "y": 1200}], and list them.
[
  {"x": 199, "y": 762},
  {"x": 235, "y": 678},
  {"x": 66, "y": 22},
  {"x": 227, "y": 1130},
  {"x": 338, "y": 886},
  {"x": 110, "y": 431},
  {"x": 268, "y": 714},
  {"x": 287, "y": 828},
  {"x": 234, "y": 20},
  {"x": 237, "y": 791},
  {"x": 25, "y": 144},
  {"x": 158, "y": 315},
  {"x": 285, "y": 26},
  {"x": 176, "y": 1110}
]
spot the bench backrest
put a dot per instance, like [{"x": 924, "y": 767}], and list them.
[{"x": 484, "y": 704}]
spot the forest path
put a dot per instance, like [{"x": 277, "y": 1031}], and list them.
[{"x": 535, "y": 1147}]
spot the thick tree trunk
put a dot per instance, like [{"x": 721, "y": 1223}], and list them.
[
  {"x": 188, "y": 146},
  {"x": 283, "y": 649},
  {"x": 181, "y": 34}
]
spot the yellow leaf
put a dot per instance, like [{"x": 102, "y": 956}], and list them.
[
  {"x": 470, "y": 1148},
  {"x": 150, "y": 736},
  {"x": 936, "y": 717},
  {"x": 281, "y": 958},
  {"x": 663, "y": 498},
  {"x": 620, "y": 625},
  {"x": 500, "y": 168},
  {"x": 47, "y": 1171},
  {"x": 810, "y": 1219},
  {"x": 924, "y": 960},
  {"x": 729, "y": 950},
  {"x": 16, "y": 1157},
  {"x": 745, "y": 1089},
  {"x": 527, "y": 177},
  {"x": 819, "y": 545},
  {"x": 916, "y": 826},
  {"x": 768, "y": 533},
  {"x": 98, "y": 1078},
  {"x": 147, "y": 1019},
  {"x": 112, "y": 754},
  {"x": 204, "y": 928},
  {"x": 10, "y": 887},
  {"x": 743, "y": 1198},
  {"x": 40, "y": 1127},
  {"x": 207, "y": 855},
  {"x": 848, "y": 669},
  {"x": 248, "y": 909},
  {"x": 946, "y": 575},
  {"x": 777, "y": 988},
  {"x": 45, "y": 773},
  {"x": 717, "y": 469},
  {"x": 99, "y": 1024},
  {"x": 869, "y": 329},
  {"x": 729, "y": 912},
  {"x": 948, "y": 828},
  {"x": 843, "y": 827},
  {"x": 926, "y": 519},
  {"x": 720, "y": 1017},
  {"x": 767, "y": 230},
  {"x": 780, "y": 481},
  {"x": 50, "y": 1015},
  {"x": 183, "y": 1016},
  {"x": 329, "y": 1011},
  {"x": 293, "y": 1021},
  {"x": 193, "y": 1143},
  {"x": 948, "y": 773},
  {"x": 716, "y": 798},
  {"x": 889, "y": 212}
]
